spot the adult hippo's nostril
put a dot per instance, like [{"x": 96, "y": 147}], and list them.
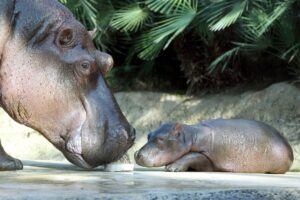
[{"x": 132, "y": 134}]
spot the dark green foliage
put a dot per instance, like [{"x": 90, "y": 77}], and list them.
[{"x": 213, "y": 39}]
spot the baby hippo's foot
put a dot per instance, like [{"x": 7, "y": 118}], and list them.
[
  {"x": 177, "y": 167},
  {"x": 193, "y": 161},
  {"x": 8, "y": 163}
]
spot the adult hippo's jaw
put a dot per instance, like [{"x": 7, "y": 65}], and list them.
[{"x": 51, "y": 79}]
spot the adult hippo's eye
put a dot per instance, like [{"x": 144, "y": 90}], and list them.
[
  {"x": 84, "y": 67},
  {"x": 66, "y": 38}
]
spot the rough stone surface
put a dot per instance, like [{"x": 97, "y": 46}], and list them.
[
  {"x": 277, "y": 105},
  {"x": 49, "y": 180}
]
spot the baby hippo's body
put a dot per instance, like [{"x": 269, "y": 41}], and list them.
[{"x": 224, "y": 145}]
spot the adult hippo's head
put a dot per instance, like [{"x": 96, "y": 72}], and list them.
[{"x": 51, "y": 79}]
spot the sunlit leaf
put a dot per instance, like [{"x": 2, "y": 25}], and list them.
[
  {"x": 167, "y": 6},
  {"x": 130, "y": 18},
  {"x": 161, "y": 35}
]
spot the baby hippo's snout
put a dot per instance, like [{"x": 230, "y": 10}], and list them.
[
  {"x": 142, "y": 159},
  {"x": 138, "y": 157}
]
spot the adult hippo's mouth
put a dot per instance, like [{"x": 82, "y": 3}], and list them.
[{"x": 87, "y": 159}]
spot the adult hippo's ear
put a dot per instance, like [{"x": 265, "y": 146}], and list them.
[
  {"x": 92, "y": 33},
  {"x": 105, "y": 62}
]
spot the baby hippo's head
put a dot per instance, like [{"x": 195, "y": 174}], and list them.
[{"x": 165, "y": 145}]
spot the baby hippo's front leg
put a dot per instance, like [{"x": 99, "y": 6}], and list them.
[{"x": 191, "y": 161}]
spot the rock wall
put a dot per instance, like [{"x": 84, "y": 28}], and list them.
[{"x": 277, "y": 105}]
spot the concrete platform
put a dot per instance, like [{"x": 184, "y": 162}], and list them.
[{"x": 50, "y": 180}]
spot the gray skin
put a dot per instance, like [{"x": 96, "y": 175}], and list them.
[
  {"x": 51, "y": 79},
  {"x": 223, "y": 145}
]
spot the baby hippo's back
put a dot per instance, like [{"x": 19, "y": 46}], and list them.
[{"x": 239, "y": 145}]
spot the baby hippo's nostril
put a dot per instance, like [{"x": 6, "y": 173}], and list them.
[{"x": 137, "y": 156}]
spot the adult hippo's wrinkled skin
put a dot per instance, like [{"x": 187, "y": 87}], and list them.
[
  {"x": 51, "y": 79},
  {"x": 232, "y": 145}
]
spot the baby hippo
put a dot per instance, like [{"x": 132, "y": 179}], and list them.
[{"x": 223, "y": 145}]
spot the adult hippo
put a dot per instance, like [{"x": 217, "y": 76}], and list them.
[
  {"x": 51, "y": 79},
  {"x": 228, "y": 145}
]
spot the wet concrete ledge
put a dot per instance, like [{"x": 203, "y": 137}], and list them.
[{"x": 59, "y": 180}]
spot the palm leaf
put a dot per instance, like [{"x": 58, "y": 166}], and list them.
[
  {"x": 166, "y": 6},
  {"x": 223, "y": 60},
  {"x": 222, "y": 14},
  {"x": 277, "y": 12},
  {"x": 161, "y": 35},
  {"x": 130, "y": 18}
]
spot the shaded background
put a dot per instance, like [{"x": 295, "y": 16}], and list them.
[{"x": 193, "y": 46}]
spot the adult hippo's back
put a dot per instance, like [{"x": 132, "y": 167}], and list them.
[
  {"x": 51, "y": 79},
  {"x": 229, "y": 145}
]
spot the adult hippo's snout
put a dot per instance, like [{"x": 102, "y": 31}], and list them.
[
  {"x": 105, "y": 135},
  {"x": 52, "y": 80}
]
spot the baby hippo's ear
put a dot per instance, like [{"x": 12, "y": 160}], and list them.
[
  {"x": 177, "y": 130},
  {"x": 150, "y": 135}
]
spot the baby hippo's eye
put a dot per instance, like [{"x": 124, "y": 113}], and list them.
[{"x": 159, "y": 139}]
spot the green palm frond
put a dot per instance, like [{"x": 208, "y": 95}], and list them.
[
  {"x": 222, "y": 14},
  {"x": 290, "y": 54},
  {"x": 84, "y": 10},
  {"x": 223, "y": 60},
  {"x": 130, "y": 18},
  {"x": 166, "y": 6},
  {"x": 161, "y": 35},
  {"x": 279, "y": 9},
  {"x": 260, "y": 20},
  {"x": 254, "y": 28},
  {"x": 88, "y": 9},
  {"x": 287, "y": 38}
]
